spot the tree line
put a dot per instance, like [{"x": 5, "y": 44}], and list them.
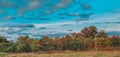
[{"x": 88, "y": 38}]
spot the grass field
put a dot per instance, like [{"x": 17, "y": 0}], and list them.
[{"x": 66, "y": 54}]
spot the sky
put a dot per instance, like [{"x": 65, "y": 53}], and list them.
[{"x": 36, "y": 18}]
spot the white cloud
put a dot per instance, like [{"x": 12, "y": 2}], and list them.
[
  {"x": 106, "y": 21},
  {"x": 115, "y": 27},
  {"x": 8, "y": 17},
  {"x": 63, "y": 3},
  {"x": 34, "y": 4},
  {"x": 4, "y": 29},
  {"x": 107, "y": 17}
]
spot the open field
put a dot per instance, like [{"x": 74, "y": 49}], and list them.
[{"x": 66, "y": 54}]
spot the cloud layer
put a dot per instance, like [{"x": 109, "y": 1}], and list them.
[{"x": 37, "y": 18}]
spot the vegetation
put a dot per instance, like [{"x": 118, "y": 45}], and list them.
[
  {"x": 66, "y": 54},
  {"x": 88, "y": 39}
]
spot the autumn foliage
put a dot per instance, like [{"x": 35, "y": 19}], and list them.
[{"x": 88, "y": 39}]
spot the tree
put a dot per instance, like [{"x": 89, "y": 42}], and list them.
[
  {"x": 3, "y": 40},
  {"x": 4, "y": 46},
  {"x": 115, "y": 41},
  {"x": 89, "y": 43},
  {"x": 11, "y": 48},
  {"x": 47, "y": 43},
  {"x": 23, "y": 48},
  {"x": 24, "y": 39},
  {"x": 89, "y": 32},
  {"x": 103, "y": 43},
  {"x": 102, "y": 34},
  {"x": 76, "y": 44},
  {"x": 35, "y": 45}
]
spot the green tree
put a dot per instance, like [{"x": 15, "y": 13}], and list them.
[
  {"x": 35, "y": 45},
  {"x": 23, "y": 48},
  {"x": 11, "y": 48},
  {"x": 47, "y": 43},
  {"x": 3, "y": 40},
  {"x": 4, "y": 46}
]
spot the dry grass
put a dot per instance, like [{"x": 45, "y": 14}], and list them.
[{"x": 67, "y": 54}]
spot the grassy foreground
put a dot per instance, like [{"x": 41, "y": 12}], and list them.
[{"x": 66, "y": 54}]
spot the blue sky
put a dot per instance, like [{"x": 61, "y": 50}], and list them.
[{"x": 44, "y": 17}]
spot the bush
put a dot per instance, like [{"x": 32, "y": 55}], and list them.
[
  {"x": 3, "y": 40},
  {"x": 115, "y": 41},
  {"x": 103, "y": 43},
  {"x": 47, "y": 47},
  {"x": 35, "y": 45},
  {"x": 23, "y": 48},
  {"x": 4, "y": 46},
  {"x": 11, "y": 48},
  {"x": 89, "y": 43},
  {"x": 74, "y": 44},
  {"x": 47, "y": 44}
]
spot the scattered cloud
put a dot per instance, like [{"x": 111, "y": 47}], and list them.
[
  {"x": 34, "y": 5},
  {"x": 9, "y": 17},
  {"x": 6, "y": 3},
  {"x": 86, "y": 6},
  {"x": 36, "y": 18}
]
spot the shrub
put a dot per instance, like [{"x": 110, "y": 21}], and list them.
[
  {"x": 115, "y": 41},
  {"x": 89, "y": 43},
  {"x": 4, "y": 46},
  {"x": 11, "y": 48},
  {"x": 74, "y": 44},
  {"x": 3, "y": 40},
  {"x": 103, "y": 43},
  {"x": 89, "y": 32},
  {"x": 35, "y": 45},
  {"x": 23, "y": 48},
  {"x": 47, "y": 44}
]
